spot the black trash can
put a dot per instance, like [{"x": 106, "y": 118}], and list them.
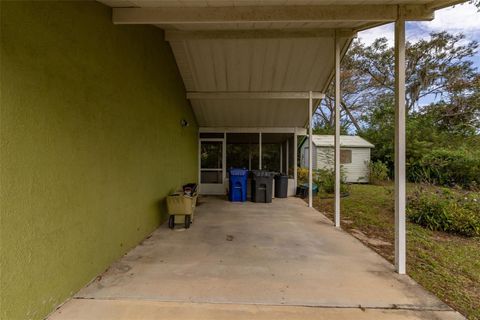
[
  {"x": 281, "y": 186},
  {"x": 262, "y": 182}
]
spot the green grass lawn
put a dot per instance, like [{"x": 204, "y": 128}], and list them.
[{"x": 446, "y": 264}]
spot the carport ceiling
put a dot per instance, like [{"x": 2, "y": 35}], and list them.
[{"x": 245, "y": 46}]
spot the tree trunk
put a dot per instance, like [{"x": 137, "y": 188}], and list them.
[{"x": 350, "y": 116}]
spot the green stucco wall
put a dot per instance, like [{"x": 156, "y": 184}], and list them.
[{"x": 91, "y": 143}]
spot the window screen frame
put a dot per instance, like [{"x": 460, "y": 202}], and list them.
[{"x": 346, "y": 159}]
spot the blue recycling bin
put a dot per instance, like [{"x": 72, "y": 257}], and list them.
[{"x": 238, "y": 185}]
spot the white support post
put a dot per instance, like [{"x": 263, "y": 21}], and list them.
[
  {"x": 337, "y": 132},
  {"x": 295, "y": 160},
  {"x": 249, "y": 157},
  {"x": 199, "y": 160},
  {"x": 224, "y": 157},
  {"x": 281, "y": 156},
  {"x": 259, "y": 151},
  {"x": 400, "y": 115},
  {"x": 310, "y": 165},
  {"x": 287, "y": 163}
]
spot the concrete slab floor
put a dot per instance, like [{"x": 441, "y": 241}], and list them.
[{"x": 240, "y": 260}]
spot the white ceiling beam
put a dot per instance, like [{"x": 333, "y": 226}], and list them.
[
  {"x": 299, "y": 131},
  {"x": 252, "y": 95},
  {"x": 171, "y": 35},
  {"x": 252, "y": 14}
]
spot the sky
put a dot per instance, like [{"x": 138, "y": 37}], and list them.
[{"x": 463, "y": 18}]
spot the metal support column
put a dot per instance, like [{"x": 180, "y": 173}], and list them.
[
  {"x": 287, "y": 162},
  {"x": 259, "y": 151},
  {"x": 337, "y": 132},
  {"x": 295, "y": 160},
  {"x": 310, "y": 165},
  {"x": 249, "y": 157},
  {"x": 281, "y": 158},
  {"x": 224, "y": 157},
  {"x": 400, "y": 115}
]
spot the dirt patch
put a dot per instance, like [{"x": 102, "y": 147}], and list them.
[{"x": 372, "y": 241}]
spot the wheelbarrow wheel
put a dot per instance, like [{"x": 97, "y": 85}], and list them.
[
  {"x": 188, "y": 221},
  {"x": 171, "y": 221}
]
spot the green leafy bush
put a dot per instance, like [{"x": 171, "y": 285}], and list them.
[
  {"x": 325, "y": 179},
  {"x": 302, "y": 175},
  {"x": 378, "y": 172},
  {"x": 447, "y": 167},
  {"x": 446, "y": 211}
]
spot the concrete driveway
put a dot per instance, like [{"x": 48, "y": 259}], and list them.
[{"x": 245, "y": 260}]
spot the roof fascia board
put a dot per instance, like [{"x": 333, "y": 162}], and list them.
[{"x": 254, "y": 14}]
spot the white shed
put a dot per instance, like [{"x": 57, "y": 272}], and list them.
[{"x": 354, "y": 155}]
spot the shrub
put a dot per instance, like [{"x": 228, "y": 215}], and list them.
[
  {"x": 431, "y": 212},
  {"x": 325, "y": 179},
  {"x": 446, "y": 167},
  {"x": 302, "y": 175},
  {"x": 378, "y": 172},
  {"x": 446, "y": 211}
]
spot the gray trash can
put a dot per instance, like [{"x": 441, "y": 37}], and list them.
[{"x": 262, "y": 182}]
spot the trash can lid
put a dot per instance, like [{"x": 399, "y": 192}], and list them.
[
  {"x": 262, "y": 173},
  {"x": 238, "y": 171}
]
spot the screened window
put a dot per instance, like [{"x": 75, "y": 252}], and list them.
[
  {"x": 242, "y": 150},
  {"x": 271, "y": 157},
  {"x": 211, "y": 155},
  {"x": 345, "y": 156}
]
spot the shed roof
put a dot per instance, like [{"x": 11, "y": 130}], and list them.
[
  {"x": 345, "y": 141},
  {"x": 225, "y": 46}
]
